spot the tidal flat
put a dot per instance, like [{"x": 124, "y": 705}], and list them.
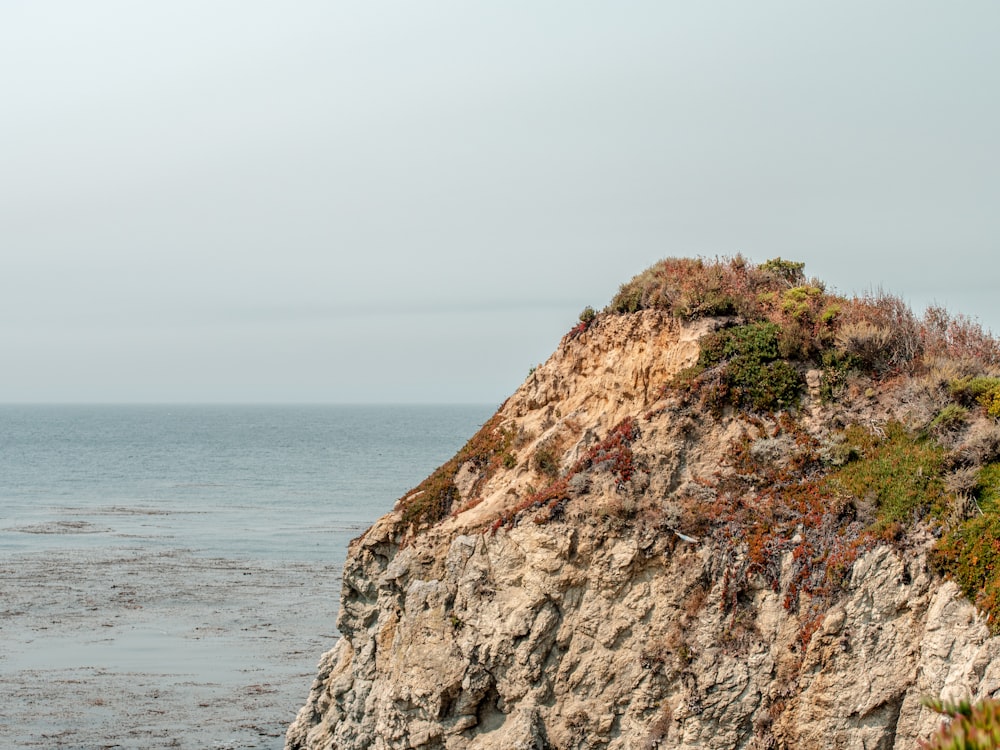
[{"x": 133, "y": 647}]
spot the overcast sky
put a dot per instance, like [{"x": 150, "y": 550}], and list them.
[{"x": 235, "y": 200}]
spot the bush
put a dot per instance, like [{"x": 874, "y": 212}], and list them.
[
  {"x": 796, "y": 341},
  {"x": 690, "y": 288},
  {"x": 758, "y": 341},
  {"x": 754, "y": 377},
  {"x": 980, "y": 445},
  {"x": 775, "y": 292},
  {"x": 545, "y": 461},
  {"x": 900, "y": 472},
  {"x": 787, "y": 270},
  {"x": 881, "y": 331},
  {"x": 798, "y": 302},
  {"x": 972, "y": 727},
  {"x": 837, "y": 367},
  {"x": 950, "y": 417},
  {"x": 971, "y": 389},
  {"x": 866, "y": 343},
  {"x": 763, "y": 386},
  {"x": 982, "y": 390},
  {"x": 970, "y": 552},
  {"x": 991, "y": 402},
  {"x": 988, "y": 487},
  {"x": 878, "y": 329},
  {"x": 958, "y": 337}
]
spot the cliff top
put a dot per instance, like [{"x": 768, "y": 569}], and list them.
[
  {"x": 848, "y": 413},
  {"x": 718, "y": 516}
]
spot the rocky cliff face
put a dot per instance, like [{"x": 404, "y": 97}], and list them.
[{"x": 582, "y": 593}]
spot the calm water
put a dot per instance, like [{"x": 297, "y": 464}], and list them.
[{"x": 169, "y": 575}]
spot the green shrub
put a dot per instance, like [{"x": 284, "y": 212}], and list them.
[
  {"x": 982, "y": 390},
  {"x": 970, "y": 552},
  {"x": 991, "y": 402},
  {"x": 588, "y": 315},
  {"x": 798, "y": 301},
  {"x": 628, "y": 299},
  {"x": 830, "y": 313},
  {"x": 546, "y": 461},
  {"x": 754, "y": 375},
  {"x": 788, "y": 270},
  {"x": 687, "y": 378},
  {"x": 878, "y": 329},
  {"x": 949, "y": 418},
  {"x": 763, "y": 386},
  {"x": 645, "y": 290},
  {"x": 985, "y": 491},
  {"x": 972, "y": 727},
  {"x": 969, "y": 555},
  {"x": 988, "y": 487},
  {"x": 900, "y": 473},
  {"x": 757, "y": 341},
  {"x": 837, "y": 367},
  {"x": 973, "y": 388}
]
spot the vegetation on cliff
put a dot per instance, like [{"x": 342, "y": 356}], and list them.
[
  {"x": 881, "y": 472},
  {"x": 699, "y": 522},
  {"x": 941, "y": 472},
  {"x": 972, "y": 726},
  {"x": 436, "y": 497}
]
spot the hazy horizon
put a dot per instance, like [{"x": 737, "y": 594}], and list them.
[{"x": 250, "y": 202}]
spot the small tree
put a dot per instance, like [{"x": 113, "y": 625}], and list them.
[{"x": 789, "y": 270}]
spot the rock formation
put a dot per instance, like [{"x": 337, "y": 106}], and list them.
[{"x": 602, "y": 569}]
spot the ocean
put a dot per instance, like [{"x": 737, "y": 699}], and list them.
[{"x": 169, "y": 575}]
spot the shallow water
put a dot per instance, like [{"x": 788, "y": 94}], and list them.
[{"x": 169, "y": 576}]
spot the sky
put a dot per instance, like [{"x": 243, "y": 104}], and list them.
[{"x": 411, "y": 202}]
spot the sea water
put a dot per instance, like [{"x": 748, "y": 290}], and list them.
[{"x": 169, "y": 575}]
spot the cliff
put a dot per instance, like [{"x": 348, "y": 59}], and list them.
[{"x": 648, "y": 547}]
